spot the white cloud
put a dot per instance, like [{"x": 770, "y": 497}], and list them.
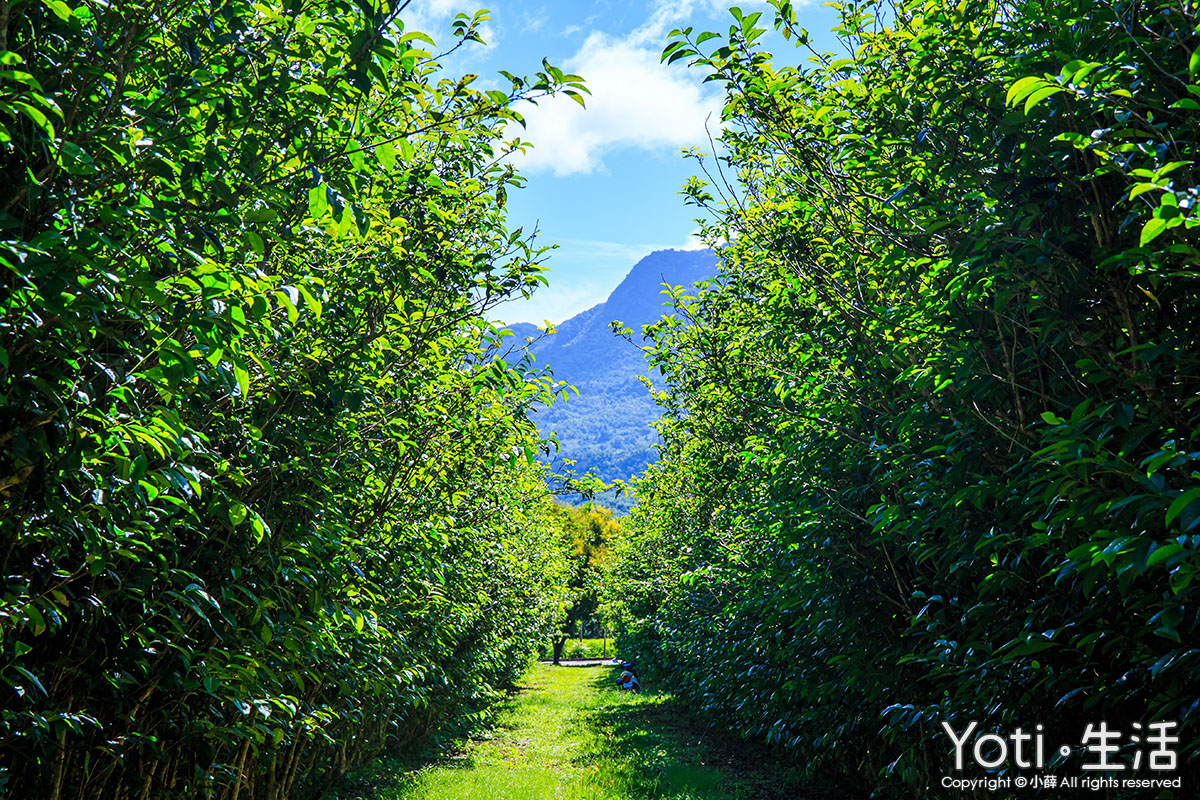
[
  {"x": 553, "y": 303},
  {"x": 635, "y": 101},
  {"x": 693, "y": 242},
  {"x": 619, "y": 255},
  {"x": 665, "y": 15},
  {"x": 535, "y": 21},
  {"x": 668, "y": 14},
  {"x": 425, "y": 14}
]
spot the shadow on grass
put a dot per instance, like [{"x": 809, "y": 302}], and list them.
[
  {"x": 604, "y": 745},
  {"x": 393, "y": 776},
  {"x": 660, "y": 750}
]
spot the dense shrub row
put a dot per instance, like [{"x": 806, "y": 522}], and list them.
[
  {"x": 932, "y": 443},
  {"x": 268, "y": 499}
]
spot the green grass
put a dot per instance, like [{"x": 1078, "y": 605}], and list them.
[
  {"x": 588, "y": 648},
  {"x": 570, "y": 735}
]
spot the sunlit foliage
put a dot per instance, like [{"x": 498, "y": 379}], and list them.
[
  {"x": 588, "y": 533},
  {"x": 268, "y": 500},
  {"x": 932, "y": 451}
]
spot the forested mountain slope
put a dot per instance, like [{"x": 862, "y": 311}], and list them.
[{"x": 607, "y": 427}]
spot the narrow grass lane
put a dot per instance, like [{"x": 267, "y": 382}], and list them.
[{"x": 570, "y": 735}]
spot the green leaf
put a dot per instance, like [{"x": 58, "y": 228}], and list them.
[
  {"x": 317, "y": 202},
  {"x": 254, "y": 242},
  {"x": 258, "y": 525},
  {"x": 1153, "y": 227},
  {"x": 288, "y": 297},
  {"x": 1040, "y": 95},
  {"x": 32, "y": 678},
  {"x": 417, "y": 36},
  {"x": 356, "y": 156},
  {"x": 35, "y": 114},
  {"x": 1169, "y": 633},
  {"x": 243, "y": 380},
  {"x": 1034, "y": 645},
  {"x": 1181, "y": 503},
  {"x": 310, "y": 300},
  {"x": 1162, "y": 553},
  {"x": 260, "y": 215},
  {"x": 18, "y": 76},
  {"x": 1169, "y": 167},
  {"x": 35, "y": 619},
  {"x": 1141, "y": 188},
  {"x": 237, "y": 514},
  {"x": 60, "y": 9},
  {"x": 386, "y": 153},
  {"x": 1020, "y": 89}
]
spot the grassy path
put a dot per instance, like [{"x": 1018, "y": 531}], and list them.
[{"x": 570, "y": 735}]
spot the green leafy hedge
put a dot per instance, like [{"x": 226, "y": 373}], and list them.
[
  {"x": 267, "y": 493},
  {"x": 932, "y": 450}
]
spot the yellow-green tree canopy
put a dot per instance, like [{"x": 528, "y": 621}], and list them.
[{"x": 588, "y": 533}]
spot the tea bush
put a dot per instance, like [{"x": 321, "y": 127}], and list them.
[
  {"x": 269, "y": 501},
  {"x": 931, "y": 452}
]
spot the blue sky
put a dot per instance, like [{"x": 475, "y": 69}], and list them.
[{"x": 603, "y": 182}]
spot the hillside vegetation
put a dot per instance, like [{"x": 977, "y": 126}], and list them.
[
  {"x": 932, "y": 448},
  {"x": 606, "y": 424}
]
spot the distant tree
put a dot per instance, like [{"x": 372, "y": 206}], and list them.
[{"x": 589, "y": 531}]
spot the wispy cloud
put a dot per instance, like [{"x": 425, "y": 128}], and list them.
[
  {"x": 552, "y": 303},
  {"x": 534, "y": 21},
  {"x": 624, "y": 255},
  {"x": 635, "y": 101},
  {"x": 692, "y": 242}
]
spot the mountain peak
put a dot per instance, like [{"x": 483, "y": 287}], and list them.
[
  {"x": 608, "y": 427},
  {"x": 639, "y": 295}
]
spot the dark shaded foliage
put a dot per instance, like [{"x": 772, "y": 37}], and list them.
[
  {"x": 932, "y": 452},
  {"x": 269, "y": 501}
]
